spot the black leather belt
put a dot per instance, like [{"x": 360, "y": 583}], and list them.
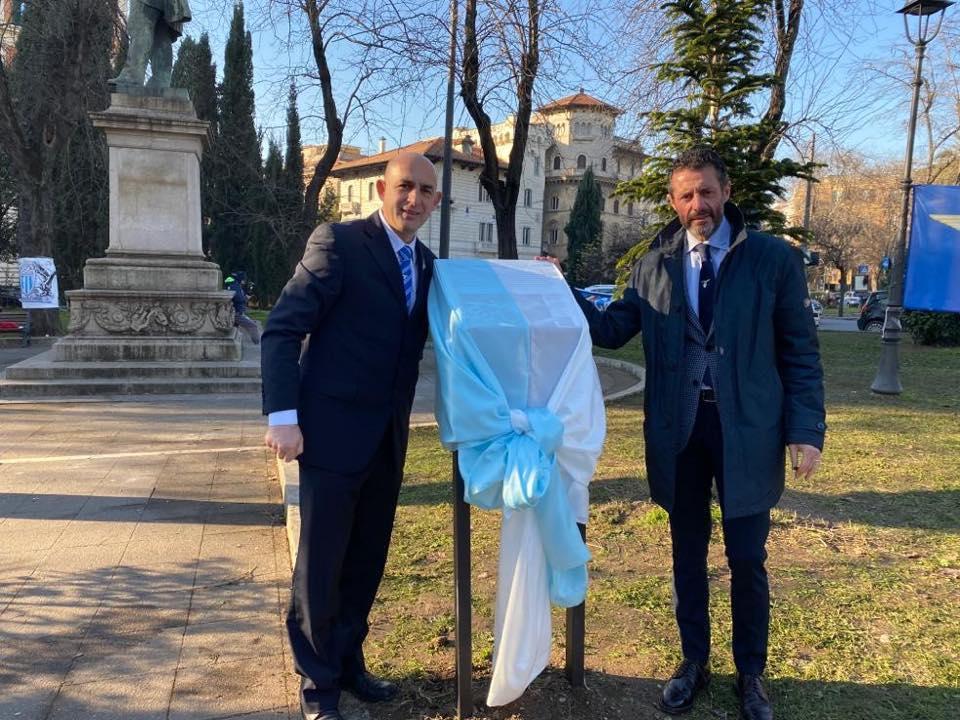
[{"x": 708, "y": 395}]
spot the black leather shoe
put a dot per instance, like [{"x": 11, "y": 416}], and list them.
[
  {"x": 322, "y": 715},
  {"x": 681, "y": 690},
  {"x": 369, "y": 688},
  {"x": 754, "y": 702}
]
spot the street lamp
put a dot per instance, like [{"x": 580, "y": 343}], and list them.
[
  {"x": 446, "y": 200},
  {"x": 887, "y": 381}
]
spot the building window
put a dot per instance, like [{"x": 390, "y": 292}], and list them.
[
  {"x": 349, "y": 193},
  {"x": 630, "y": 209},
  {"x": 528, "y": 198},
  {"x": 603, "y": 164},
  {"x": 553, "y": 236},
  {"x": 536, "y": 166},
  {"x": 556, "y": 163},
  {"x": 616, "y": 207},
  {"x": 486, "y": 232},
  {"x": 482, "y": 194},
  {"x": 525, "y": 236},
  {"x": 555, "y": 202},
  {"x": 633, "y": 169},
  {"x": 581, "y": 162},
  {"x": 370, "y": 191}
]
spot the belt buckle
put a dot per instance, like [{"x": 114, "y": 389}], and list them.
[{"x": 708, "y": 395}]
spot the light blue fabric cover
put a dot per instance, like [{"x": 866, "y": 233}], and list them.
[{"x": 507, "y": 458}]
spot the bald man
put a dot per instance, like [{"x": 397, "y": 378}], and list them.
[{"x": 341, "y": 406}]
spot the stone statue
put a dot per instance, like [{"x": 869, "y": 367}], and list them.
[{"x": 152, "y": 26}]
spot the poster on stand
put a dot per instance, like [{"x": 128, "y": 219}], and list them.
[{"x": 38, "y": 284}]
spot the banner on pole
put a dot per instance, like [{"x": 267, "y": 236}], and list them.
[
  {"x": 38, "y": 284},
  {"x": 933, "y": 263}
]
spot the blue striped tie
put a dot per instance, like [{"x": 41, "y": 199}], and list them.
[{"x": 405, "y": 254}]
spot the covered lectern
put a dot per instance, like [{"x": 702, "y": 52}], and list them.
[{"x": 519, "y": 401}]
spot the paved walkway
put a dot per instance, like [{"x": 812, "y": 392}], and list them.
[
  {"x": 143, "y": 562},
  {"x": 144, "y": 567}
]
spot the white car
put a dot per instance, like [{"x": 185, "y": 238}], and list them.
[
  {"x": 851, "y": 299},
  {"x": 817, "y": 309}
]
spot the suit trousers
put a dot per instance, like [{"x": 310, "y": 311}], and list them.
[
  {"x": 744, "y": 541},
  {"x": 345, "y": 527}
]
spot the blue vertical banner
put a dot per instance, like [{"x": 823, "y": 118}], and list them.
[{"x": 933, "y": 262}]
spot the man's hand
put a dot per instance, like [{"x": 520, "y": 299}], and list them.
[
  {"x": 285, "y": 440},
  {"x": 805, "y": 460}
]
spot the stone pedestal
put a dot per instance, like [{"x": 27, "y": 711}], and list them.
[
  {"x": 153, "y": 297},
  {"x": 152, "y": 316}
]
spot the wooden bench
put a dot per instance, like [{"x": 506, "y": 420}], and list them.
[{"x": 20, "y": 318}]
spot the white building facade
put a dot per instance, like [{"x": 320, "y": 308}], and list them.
[
  {"x": 473, "y": 227},
  {"x": 565, "y": 138}
]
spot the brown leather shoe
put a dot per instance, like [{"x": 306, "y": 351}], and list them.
[
  {"x": 754, "y": 701},
  {"x": 682, "y": 688}
]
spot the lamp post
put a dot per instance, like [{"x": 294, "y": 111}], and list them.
[
  {"x": 887, "y": 381},
  {"x": 446, "y": 201}
]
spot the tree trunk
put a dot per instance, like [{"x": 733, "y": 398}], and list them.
[
  {"x": 506, "y": 231},
  {"x": 843, "y": 291},
  {"x": 787, "y": 19},
  {"x": 332, "y": 120}
]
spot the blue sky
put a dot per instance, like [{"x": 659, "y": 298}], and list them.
[{"x": 853, "y": 58}]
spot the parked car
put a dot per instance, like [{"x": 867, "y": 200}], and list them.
[
  {"x": 873, "y": 312},
  {"x": 851, "y": 299},
  {"x": 599, "y": 295},
  {"x": 817, "y": 310}
]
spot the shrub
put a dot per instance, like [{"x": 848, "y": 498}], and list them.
[{"x": 933, "y": 328}]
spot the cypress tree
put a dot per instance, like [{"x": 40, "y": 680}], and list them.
[
  {"x": 81, "y": 212},
  {"x": 195, "y": 71},
  {"x": 584, "y": 229},
  {"x": 273, "y": 167},
  {"x": 238, "y": 174},
  {"x": 293, "y": 159},
  {"x": 57, "y": 76},
  {"x": 716, "y": 50},
  {"x": 268, "y": 259},
  {"x": 291, "y": 190}
]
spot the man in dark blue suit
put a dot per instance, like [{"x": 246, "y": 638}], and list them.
[
  {"x": 733, "y": 380},
  {"x": 341, "y": 405}
]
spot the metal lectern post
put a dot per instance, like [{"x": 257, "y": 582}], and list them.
[
  {"x": 461, "y": 580},
  {"x": 576, "y": 630}
]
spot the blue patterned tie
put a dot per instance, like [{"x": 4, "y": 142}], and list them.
[
  {"x": 405, "y": 254},
  {"x": 708, "y": 290}
]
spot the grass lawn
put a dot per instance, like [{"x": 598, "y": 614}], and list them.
[{"x": 864, "y": 565}]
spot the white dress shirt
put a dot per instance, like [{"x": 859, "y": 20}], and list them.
[
  {"x": 289, "y": 417},
  {"x": 719, "y": 244}
]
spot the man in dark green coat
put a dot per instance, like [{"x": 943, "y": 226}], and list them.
[
  {"x": 733, "y": 378},
  {"x": 152, "y": 27}
]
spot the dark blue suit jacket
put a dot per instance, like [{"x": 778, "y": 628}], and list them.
[{"x": 355, "y": 376}]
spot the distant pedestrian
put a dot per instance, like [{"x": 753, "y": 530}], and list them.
[{"x": 240, "y": 318}]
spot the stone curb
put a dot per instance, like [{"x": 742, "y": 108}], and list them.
[{"x": 288, "y": 474}]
